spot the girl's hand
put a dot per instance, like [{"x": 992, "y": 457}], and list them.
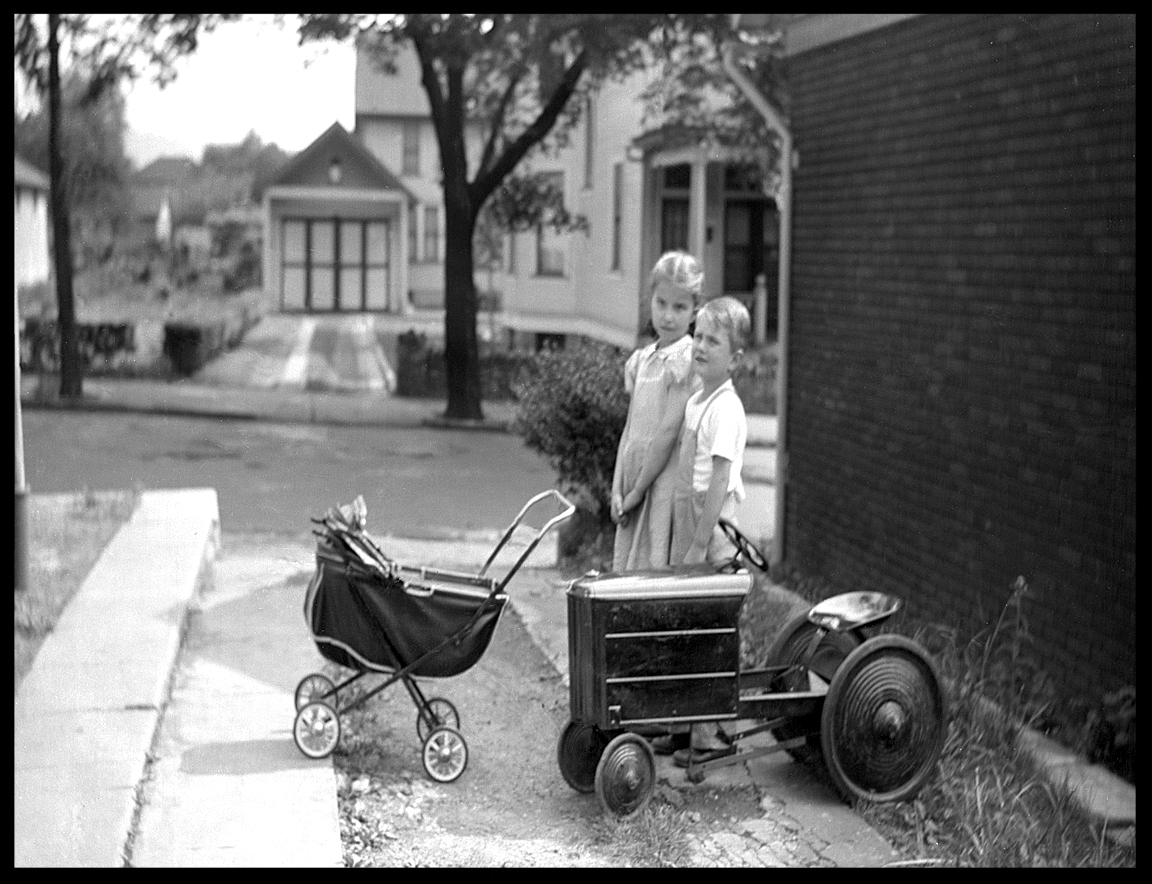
[
  {"x": 617, "y": 508},
  {"x": 631, "y": 501}
]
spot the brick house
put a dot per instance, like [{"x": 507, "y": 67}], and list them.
[{"x": 960, "y": 344}]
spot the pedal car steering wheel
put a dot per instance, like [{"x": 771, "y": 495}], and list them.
[{"x": 744, "y": 546}]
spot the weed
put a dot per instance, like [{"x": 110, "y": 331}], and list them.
[{"x": 653, "y": 838}]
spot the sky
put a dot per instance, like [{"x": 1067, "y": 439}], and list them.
[{"x": 244, "y": 76}]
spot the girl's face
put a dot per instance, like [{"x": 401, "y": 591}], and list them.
[
  {"x": 712, "y": 356},
  {"x": 672, "y": 310}
]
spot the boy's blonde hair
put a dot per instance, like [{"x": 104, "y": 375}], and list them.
[
  {"x": 681, "y": 270},
  {"x": 731, "y": 315}
]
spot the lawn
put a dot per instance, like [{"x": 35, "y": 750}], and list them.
[{"x": 66, "y": 534}]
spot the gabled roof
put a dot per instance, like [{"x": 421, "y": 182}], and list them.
[
  {"x": 359, "y": 166},
  {"x": 28, "y": 175}
]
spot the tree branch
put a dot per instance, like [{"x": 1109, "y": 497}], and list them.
[{"x": 485, "y": 182}]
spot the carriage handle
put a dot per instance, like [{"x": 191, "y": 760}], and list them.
[{"x": 568, "y": 509}]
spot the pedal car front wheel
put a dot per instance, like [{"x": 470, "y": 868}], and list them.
[
  {"x": 578, "y": 754},
  {"x": 315, "y": 687},
  {"x": 445, "y": 754},
  {"x": 443, "y": 713},
  {"x": 317, "y": 729},
  {"x": 625, "y": 776}
]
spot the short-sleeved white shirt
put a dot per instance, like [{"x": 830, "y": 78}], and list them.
[{"x": 721, "y": 429}]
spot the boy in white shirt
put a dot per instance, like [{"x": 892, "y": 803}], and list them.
[
  {"x": 713, "y": 437},
  {"x": 708, "y": 484}
]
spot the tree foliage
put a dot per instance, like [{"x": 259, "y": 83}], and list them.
[
  {"x": 251, "y": 157},
  {"x": 519, "y": 79},
  {"x": 96, "y": 167},
  {"x": 696, "y": 101},
  {"x": 102, "y": 51}
]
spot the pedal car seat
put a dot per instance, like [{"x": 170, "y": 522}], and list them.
[{"x": 851, "y": 610}]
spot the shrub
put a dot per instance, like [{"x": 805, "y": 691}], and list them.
[
  {"x": 421, "y": 372},
  {"x": 571, "y": 409}
]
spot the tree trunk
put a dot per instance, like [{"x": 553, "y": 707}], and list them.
[
  {"x": 461, "y": 351},
  {"x": 71, "y": 376}
]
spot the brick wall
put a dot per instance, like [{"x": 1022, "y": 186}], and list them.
[{"x": 962, "y": 385}]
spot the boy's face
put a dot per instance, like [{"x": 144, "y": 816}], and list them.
[
  {"x": 672, "y": 309},
  {"x": 712, "y": 356}
]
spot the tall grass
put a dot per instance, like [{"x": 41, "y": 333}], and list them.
[
  {"x": 66, "y": 535},
  {"x": 990, "y": 806}
]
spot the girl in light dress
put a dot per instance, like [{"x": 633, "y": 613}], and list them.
[{"x": 659, "y": 379}]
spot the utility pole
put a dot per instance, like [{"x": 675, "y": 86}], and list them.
[{"x": 21, "y": 525}]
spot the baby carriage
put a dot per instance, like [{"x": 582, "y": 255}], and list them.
[{"x": 371, "y": 614}]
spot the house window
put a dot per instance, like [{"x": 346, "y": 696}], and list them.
[
  {"x": 617, "y": 212},
  {"x": 589, "y": 141},
  {"x": 431, "y": 234},
  {"x": 410, "y": 161},
  {"x": 551, "y": 245},
  {"x": 413, "y": 235}
]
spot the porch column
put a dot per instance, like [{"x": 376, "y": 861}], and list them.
[
  {"x": 401, "y": 261},
  {"x": 697, "y": 210}
]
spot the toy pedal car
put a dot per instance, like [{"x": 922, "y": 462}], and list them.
[{"x": 660, "y": 647}]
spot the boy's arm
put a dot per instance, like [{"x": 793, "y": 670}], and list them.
[
  {"x": 661, "y": 447},
  {"x": 710, "y": 517}
]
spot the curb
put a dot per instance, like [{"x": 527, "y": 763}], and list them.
[{"x": 81, "y": 751}]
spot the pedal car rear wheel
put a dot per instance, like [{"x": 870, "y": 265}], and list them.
[
  {"x": 578, "y": 754},
  {"x": 443, "y": 713},
  {"x": 788, "y": 649},
  {"x": 884, "y": 721},
  {"x": 315, "y": 687},
  {"x": 625, "y": 776},
  {"x": 317, "y": 729},
  {"x": 445, "y": 754}
]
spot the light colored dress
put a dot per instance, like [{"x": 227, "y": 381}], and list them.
[{"x": 650, "y": 374}]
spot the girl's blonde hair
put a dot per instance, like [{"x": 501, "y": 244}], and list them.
[{"x": 681, "y": 270}]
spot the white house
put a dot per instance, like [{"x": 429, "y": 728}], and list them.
[
  {"x": 30, "y": 200},
  {"x": 641, "y": 193}
]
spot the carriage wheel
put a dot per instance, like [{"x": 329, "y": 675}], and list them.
[
  {"x": 444, "y": 714},
  {"x": 788, "y": 648},
  {"x": 743, "y": 545},
  {"x": 445, "y": 754},
  {"x": 884, "y": 721},
  {"x": 578, "y": 754},
  {"x": 625, "y": 776},
  {"x": 317, "y": 729},
  {"x": 315, "y": 687}
]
